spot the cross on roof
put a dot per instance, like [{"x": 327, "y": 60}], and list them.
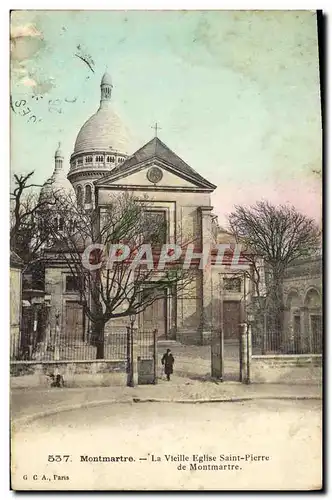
[{"x": 156, "y": 128}]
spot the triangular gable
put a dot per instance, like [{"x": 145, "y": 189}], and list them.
[
  {"x": 156, "y": 151},
  {"x": 139, "y": 177}
]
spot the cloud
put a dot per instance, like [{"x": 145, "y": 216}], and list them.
[
  {"x": 28, "y": 30},
  {"x": 29, "y": 82},
  {"x": 26, "y": 41}
]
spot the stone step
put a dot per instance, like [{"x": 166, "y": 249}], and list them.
[{"x": 166, "y": 342}]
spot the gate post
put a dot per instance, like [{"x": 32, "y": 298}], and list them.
[
  {"x": 246, "y": 348},
  {"x": 155, "y": 357},
  {"x": 134, "y": 350},
  {"x": 244, "y": 353},
  {"x": 249, "y": 351},
  {"x": 129, "y": 359}
]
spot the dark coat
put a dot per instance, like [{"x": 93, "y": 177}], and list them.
[{"x": 167, "y": 360}]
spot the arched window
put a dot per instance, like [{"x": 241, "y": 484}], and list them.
[
  {"x": 88, "y": 194},
  {"x": 88, "y": 159},
  {"x": 79, "y": 195}
]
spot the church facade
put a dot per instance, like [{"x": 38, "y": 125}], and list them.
[{"x": 100, "y": 166}]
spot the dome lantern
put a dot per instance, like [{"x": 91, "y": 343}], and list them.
[
  {"x": 58, "y": 152},
  {"x": 106, "y": 87}
]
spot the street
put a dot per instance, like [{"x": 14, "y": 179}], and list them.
[{"x": 282, "y": 440}]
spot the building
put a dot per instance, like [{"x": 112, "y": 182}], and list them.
[
  {"x": 100, "y": 166},
  {"x": 302, "y": 292}
]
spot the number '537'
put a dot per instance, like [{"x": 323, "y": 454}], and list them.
[{"x": 58, "y": 458}]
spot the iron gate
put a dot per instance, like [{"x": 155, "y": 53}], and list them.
[{"x": 147, "y": 357}]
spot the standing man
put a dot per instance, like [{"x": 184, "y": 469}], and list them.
[{"x": 168, "y": 361}]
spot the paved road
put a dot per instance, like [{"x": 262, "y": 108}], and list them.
[{"x": 286, "y": 433}]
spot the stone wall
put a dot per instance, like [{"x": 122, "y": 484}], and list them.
[
  {"x": 75, "y": 373},
  {"x": 281, "y": 369}
]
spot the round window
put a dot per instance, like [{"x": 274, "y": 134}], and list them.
[{"x": 154, "y": 175}]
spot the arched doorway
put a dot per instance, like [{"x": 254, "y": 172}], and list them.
[
  {"x": 313, "y": 305},
  {"x": 293, "y": 339}
]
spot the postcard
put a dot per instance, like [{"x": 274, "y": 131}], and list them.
[{"x": 166, "y": 317}]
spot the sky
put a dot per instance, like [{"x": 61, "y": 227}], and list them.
[{"x": 236, "y": 94}]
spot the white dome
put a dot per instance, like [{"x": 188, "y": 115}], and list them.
[
  {"x": 104, "y": 131},
  {"x": 46, "y": 190},
  {"x": 57, "y": 184}
]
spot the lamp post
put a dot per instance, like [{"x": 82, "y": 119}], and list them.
[
  {"x": 57, "y": 336},
  {"x": 250, "y": 320}
]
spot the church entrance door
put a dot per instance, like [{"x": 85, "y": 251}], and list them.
[{"x": 155, "y": 316}]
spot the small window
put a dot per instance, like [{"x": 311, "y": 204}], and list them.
[
  {"x": 110, "y": 159},
  {"x": 72, "y": 284},
  {"x": 79, "y": 195},
  {"x": 155, "y": 225},
  {"x": 88, "y": 159},
  {"x": 80, "y": 161},
  {"x": 232, "y": 284},
  {"x": 61, "y": 224},
  {"x": 88, "y": 194},
  {"x": 99, "y": 159}
]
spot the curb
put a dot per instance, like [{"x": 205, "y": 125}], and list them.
[
  {"x": 236, "y": 399},
  {"x": 26, "y": 419}
]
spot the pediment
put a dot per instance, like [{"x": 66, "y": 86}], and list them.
[{"x": 154, "y": 175}]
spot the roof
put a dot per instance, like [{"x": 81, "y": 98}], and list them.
[
  {"x": 15, "y": 260},
  {"x": 106, "y": 79},
  {"x": 156, "y": 149}
]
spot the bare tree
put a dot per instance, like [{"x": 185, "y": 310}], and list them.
[
  {"x": 26, "y": 237},
  {"x": 127, "y": 287},
  {"x": 276, "y": 236}
]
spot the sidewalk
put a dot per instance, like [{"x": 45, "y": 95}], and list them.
[{"x": 30, "y": 403}]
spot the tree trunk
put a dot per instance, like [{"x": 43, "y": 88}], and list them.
[
  {"x": 274, "y": 313},
  {"x": 99, "y": 339}
]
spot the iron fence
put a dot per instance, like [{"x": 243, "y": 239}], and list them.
[
  {"x": 65, "y": 348},
  {"x": 287, "y": 342}
]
